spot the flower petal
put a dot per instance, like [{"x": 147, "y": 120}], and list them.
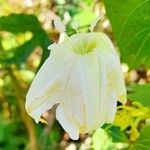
[
  {"x": 46, "y": 85},
  {"x": 59, "y": 25},
  {"x": 83, "y": 75},
  {"x": 79, "y": 102},
  {"x": 110, "y": 106},
  {"x": 108, "y": 103},
  {"x": 115, "y": 77},
  {"x": 36, "y": 110},
  {"x": 93, "y": 24},
  {"x": 72, "y": 98},
  {"x": 94, "y": 85},
  {"x": 68, "y": 127},
  {"x": 114, "y": 72}
]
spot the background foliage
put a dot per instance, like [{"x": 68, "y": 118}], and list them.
[{"x": 26, "y": 30}]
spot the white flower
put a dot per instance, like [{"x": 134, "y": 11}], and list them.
[
  {"x": 59, "y": 25},
  {"x": 93, "y": 24},
  {"x": 83, "y": 76}
]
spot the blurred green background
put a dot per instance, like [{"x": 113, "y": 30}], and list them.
[{"x": 27, "y": 29}]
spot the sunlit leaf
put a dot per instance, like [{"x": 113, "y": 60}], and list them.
[
  {"x": 84, "y": 21},
  {"x": 101, "y": 140},
  {"x": 140, "y": 93},
  {"x": 116, "y": 134},
  {"x": 20, "y": 23},
  {"x": 143, "y": 142},
  {"x": 130, "y": 20}
]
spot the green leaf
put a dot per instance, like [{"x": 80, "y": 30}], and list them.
[
  {"x": 101, "y": 140},
  {"x": 143, "y": 142},
  {"x": 12, "y": 135},
  {"x": 82, "y": 19},
  {"x": 19, "y": 23},
  {"x": 116, "y": 134},
  {"x": 130, "y": 20},
  {"x": 140, "y": 93},
  {"x": 21, "y": 52}
]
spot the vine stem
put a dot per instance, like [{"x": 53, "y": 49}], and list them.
[{"x": 26, "y": 119}]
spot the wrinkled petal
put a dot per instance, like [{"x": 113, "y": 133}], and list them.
[
  {"x": 68, "y": 127},
  {"x": 36, "y": 110},
  {"x": 47, "y": 84},
  {"x": 114, "y": 72},
  {"x": 72, "y": 98},
  {"x": 91, "y": 72},
  {"x": 115, "y": 78},
  {"x": 82, "y": 93},
  {"x": 59, "y": 25},
  {"x": 84, "y": 77}
]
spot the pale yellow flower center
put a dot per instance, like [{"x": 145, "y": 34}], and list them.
[{"x": 83, "y": 43}]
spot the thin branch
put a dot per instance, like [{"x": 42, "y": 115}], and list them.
[{"x": 26, "y": 119}]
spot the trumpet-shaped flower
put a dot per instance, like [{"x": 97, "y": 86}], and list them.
[{"x": 83, "y": 76}]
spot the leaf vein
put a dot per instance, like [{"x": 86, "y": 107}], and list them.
[
  {"x": 140, "y": 48},
  {"x": 135, "y": 35},
  {"x": 123, "y": 26}
]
